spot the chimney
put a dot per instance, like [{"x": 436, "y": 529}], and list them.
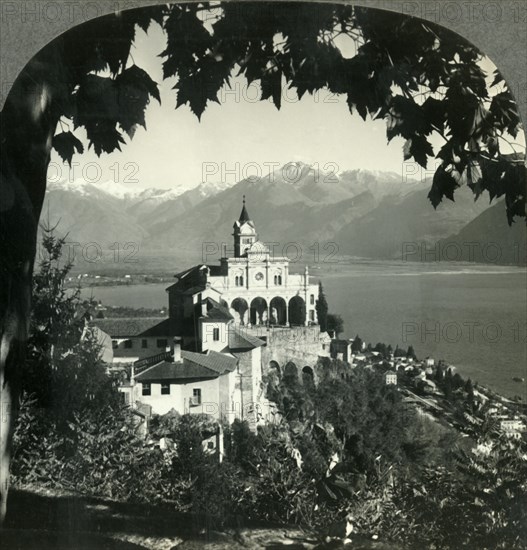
[{"x": 177, "y": 349}]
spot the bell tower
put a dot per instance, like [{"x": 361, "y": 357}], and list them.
[{"x": 244, "y": 233}]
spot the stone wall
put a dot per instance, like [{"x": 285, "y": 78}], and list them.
[{"x": 300, "y": 345}]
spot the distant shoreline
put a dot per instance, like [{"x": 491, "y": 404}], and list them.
[{"x": 320, "y": 271}]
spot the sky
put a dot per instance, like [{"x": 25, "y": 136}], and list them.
[{"x": 240, "y": 138}]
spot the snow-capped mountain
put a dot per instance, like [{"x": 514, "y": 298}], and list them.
[
  {"x": 114, "y": 190},
  {"x": 364, "y": 212}
]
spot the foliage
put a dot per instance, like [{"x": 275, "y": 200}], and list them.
[
  {"x": 368, "y": 417},
  {"x": 297, "y": 311},
  {"x": 240, "y": 445},
  {"x": 335, "y": 323},
  {"x": 63, "y": 370},
  {"x": 483, "y": 506},
  {"x": 421, "y": 78},
  {"x": 346, "y": 447},
  {"x": 279, "y": 489},
  {"x": 357, "y": 344},
  {"x": 98, "y": 453},
  {"x": 322, "y": 308}
]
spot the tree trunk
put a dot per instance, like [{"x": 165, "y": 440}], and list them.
[{"x": 27, "y": 126}]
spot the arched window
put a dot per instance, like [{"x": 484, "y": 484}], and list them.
[
  {"x": 237, "y": 280},
  {"x": 276, "y": 279},
  {"x": 241, "y": 280}
]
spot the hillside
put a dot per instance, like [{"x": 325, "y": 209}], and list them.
[
  {"x": 400, "y": 221},
  {"x": 364, "y": 213},
  {"x": 496, "y": 241}
]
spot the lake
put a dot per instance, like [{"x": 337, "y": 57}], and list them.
[{"x": 472, "y": 316}]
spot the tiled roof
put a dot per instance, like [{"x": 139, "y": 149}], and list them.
[
  {"x": 161, "y": 329},
  {"x": 217, "y": 312},
  {"x": 218, "y": 362},
  {"x": 176, "y": 371},
  {"x": 126, "y": 327},
  {"x": 240, "y": 341},
  {"x": 190, "y": 271},
  {"x": 192, "y": 276},
  {"x": 216, "y": 270},
  {"x": 194, "y": 290},
  {"x": 194, "y": 366}
]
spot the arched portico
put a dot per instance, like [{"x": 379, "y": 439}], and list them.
[
  {"x": 297, "y": 311},
  {"x": 278, "y": 311},
  {"x": 239, "y": 309},
  {"x": 258, "y": 314}
]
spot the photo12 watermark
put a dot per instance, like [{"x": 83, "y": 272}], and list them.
[
  {"x": 469, "y": 331},
  {"x": 446, "y": 12},
  {"x": 291, "y": 172},
  {"x": 93, "y": 172},
  {"x": 291, "y": 251},
  {"x": 514, "y": 253},
  {"x": 93, "y": 252}
]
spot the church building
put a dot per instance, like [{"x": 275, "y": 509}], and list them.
[
  {"x": 253, "y": 286},
  {"x": 225, "y": 327}
]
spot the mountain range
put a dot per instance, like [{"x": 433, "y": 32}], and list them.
[{"x": 353, "y": 213}]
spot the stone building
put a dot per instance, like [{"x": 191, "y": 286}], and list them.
[
  {"x": 255, "y": 286},
  {"x": 227, "y": 326}
]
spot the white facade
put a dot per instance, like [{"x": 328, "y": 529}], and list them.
[
  {"x": 128, "y": 350},
  {"x": 217, "y": 397},
  {"x": 258, "y": 286}
]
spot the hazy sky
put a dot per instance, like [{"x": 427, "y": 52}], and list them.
[{"x": 241, "y": 137}]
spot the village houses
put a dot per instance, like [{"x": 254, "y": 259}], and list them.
[{"x": 206, "y": 356}]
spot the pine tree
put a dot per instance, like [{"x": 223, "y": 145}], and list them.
[
  {"x": 335, "y": 324},
  {"x": 357, "y": 344},
  {"x": 63, "y": 370},
  {"x": 322, "y": 309}
]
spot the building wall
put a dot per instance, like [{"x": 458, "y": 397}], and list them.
[
  {"x": 300, "y": 345},
  {"x": 267, "y": 268},
  {"x": 274, "y": 292},
  {"x": 249, "y": 388},
  {"x": 217, "y": 396},
  {"x": 207, "y": 335},
  {"x": 129, "y": 355},
  {"x": 178, "y": 397}
]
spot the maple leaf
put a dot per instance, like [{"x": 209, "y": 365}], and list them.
[
  {"x": 443, "y": 185},
  {"x": 66, "y": 144},
  {"x": 203, "y": 85},
  {"x": 419, "y": 148},
  {"x": 134, "y": 88},
  {"x": 272, "y": 86},
  {"x": 504, "y": 110}
]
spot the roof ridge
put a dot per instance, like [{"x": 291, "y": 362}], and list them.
[{"x": 148, "y": 368}]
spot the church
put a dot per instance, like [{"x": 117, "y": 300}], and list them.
[
  {"x": 255, "y": 287},
  {"x": 227, "y": 325}
]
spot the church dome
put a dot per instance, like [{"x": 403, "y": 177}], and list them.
[{"x": 258, "y": 248}]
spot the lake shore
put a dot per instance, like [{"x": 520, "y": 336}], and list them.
[{"x": 472, "y": 316}]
